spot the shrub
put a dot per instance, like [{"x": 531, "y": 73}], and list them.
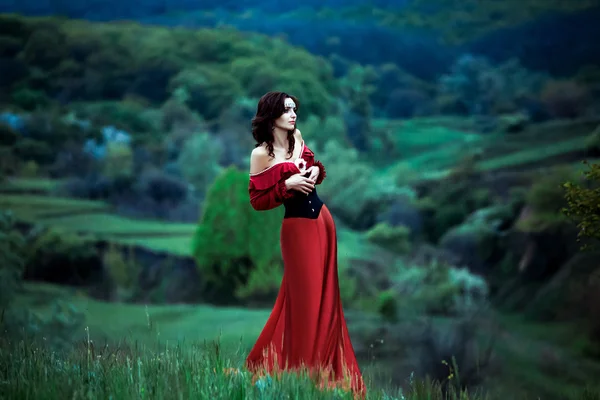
[
  {"x": 118, "y": 160},
  {"x": 162, "y": 187},
  {"x": 199, "y": 160},
  {"x": 544, "y": 200},
  {"x": 393, "y": 238},
  {"x": 437, "y": 289},
  {"x": 356, "y": 195},
  {"x": 565, "y": 98},
  {"x": 18, "y": 322},
  {"x": 8, "y": 135},
  {"x": 34, "y": 150},
  {"x": 448, "y": 204},
  {"x": 61, "y": 257},
  {"x": 30, "y": 100},
  {"x": 234, "y": 245},
  {"x": 484, "y": 89},
  {"x": 582, "y": 203},
  {"x": 122, "y": 269},
  {"x": 12, "y": 263}
]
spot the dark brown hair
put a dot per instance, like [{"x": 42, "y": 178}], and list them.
[{"x": 270, "y": 107}]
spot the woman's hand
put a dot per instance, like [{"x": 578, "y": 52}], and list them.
[
  {"x": 300, "y": 183},
  {"x": 314, "y": 173}
]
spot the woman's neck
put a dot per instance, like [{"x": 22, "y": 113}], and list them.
[{"x": 280, "y": 138}]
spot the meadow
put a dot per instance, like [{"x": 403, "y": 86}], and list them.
[
  {"x": 461, "y": 279},
  {"x": 180, "y": 351}
]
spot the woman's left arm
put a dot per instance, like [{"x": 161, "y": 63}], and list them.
[{"x": 316, "y": 163}]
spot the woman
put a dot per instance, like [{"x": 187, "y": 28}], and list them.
[{"x": 306, "y": 329}]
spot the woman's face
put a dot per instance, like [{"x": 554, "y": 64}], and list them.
[{"x": 287, "y": 120}]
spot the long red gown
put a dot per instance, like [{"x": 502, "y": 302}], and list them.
[{"x": 306, "y": 329}]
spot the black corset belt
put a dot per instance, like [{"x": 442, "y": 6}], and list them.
[{"x": 303, "y": 206}]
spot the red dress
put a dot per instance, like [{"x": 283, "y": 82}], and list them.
[{"x": 306, "y": 329}]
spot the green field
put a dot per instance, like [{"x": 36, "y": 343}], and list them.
[
  {"x": 95, "y": 219},
  {"x": 432, "y": 151}
]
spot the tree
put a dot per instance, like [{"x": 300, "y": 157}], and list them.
[{"x": 234, "y": 244}]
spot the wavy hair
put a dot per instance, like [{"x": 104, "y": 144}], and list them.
[{"x": 270, "y": 107}]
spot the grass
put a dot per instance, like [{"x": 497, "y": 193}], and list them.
[
  {"x": 166, "y": 352},
  {"x": 93, "y": 219},
  {"x": 115, "y": 225},
  {"x": 28, "y": 185},
  {"x": 202, "y": 340},
  {"x": 435, "y": 146},
  {"x": 104, "y": 372},
  {"x": 533, "y": 155}
]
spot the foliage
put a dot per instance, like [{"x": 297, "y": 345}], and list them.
[
  {"x": 319, "y": 131},
  {"x": 122, "y": 267},
  {"x": 8, "y": 135},
  {"x": 393, "y": 238},
  {"x": 435, "y": 289},
  {"x": 233, "y": 241},
  {"x": 357, "y": 195},
  {"x": 19, "y": 322},
  {"x": 356, "y": 88},
  {"x": 565, "y": 98},
  {"x": 12, "y": 265},
  {"x": 118, "y": 161},
  {"x": 208, "y": 91},
  {"x": 592, "y": 142},
  {"x": 583, "y": 203},
  {"x": 456, "y": 26},
  {"x": 110, "y": 62},
  {"x": 545, "y": 199},
  {"x": 482, "y": 89},
  {"x": 199, "y": 160},
  {"x": 449, "y": 202}
]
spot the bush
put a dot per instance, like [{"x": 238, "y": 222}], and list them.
[
  {"x": 61, "y": 257},
  {"x": 484, "y": 89},
  {"x": 565, "y": 99},
  {"x": 162, "y": 187},
  {"x": 545, "y": 200},
  {"x": 118, "y": 161},
  {"x": 356, "y": 195},
  {"x": 17, "y": 322},
  {"x": 449, "y": 204},
  {"x": 436, "y": 289},
  {"x": 393, "y": 238},
  {"x": 234, "y": 244},
  {"x": 34, "y": 150},
  {"x": 582, "y": 203},
  {"x": 199, "y": 160},
  {"x": 8, "y": 135},
  {"x": 123, "y": 270}
]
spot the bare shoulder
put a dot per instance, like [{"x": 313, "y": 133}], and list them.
[
  {"x": 298, "y": 135},
  {"x": 259, "y": 159}
]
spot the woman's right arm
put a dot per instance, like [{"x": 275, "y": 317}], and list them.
[{"x": 266, "y": 198}]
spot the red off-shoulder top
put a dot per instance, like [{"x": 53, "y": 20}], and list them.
[{"x": 267, "y": 187}]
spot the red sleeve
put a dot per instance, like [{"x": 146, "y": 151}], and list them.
[
  {"x": 322, "y": 173},
  {"x": 266, "y": 191},
  {"x": 309, "y": 155}
]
